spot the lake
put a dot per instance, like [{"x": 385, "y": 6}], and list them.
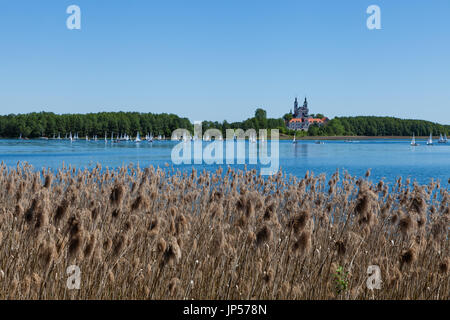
[{"x": 386, "y": 158}]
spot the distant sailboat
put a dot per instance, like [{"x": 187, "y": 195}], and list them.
[
  {"x": 430, "y": 140},
  {"x": 413, "y": 141},
  {"x": 70, "y": 137},
  {"x": 442, "y": 139},
  {"x": 445, "y": 138},
  {"x": 138, "y": 139},
  {"x": 59, "y": 136},
  {"x": 294, "y": 141},
  {"x": 20, "y": 137}
]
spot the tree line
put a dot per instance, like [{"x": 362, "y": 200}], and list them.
[
  {"x": 47, "y": 124},
  {"x": 378, "y": 126}
]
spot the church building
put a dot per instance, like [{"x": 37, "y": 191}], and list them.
[{"x": 301, "y": 120}]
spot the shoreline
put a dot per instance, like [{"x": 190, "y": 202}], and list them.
[
  {"x": 287, "y": 137},
  {"x": 282, "y": 137}
]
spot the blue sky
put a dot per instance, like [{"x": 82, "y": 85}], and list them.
[{"x": 220, "y": 59}]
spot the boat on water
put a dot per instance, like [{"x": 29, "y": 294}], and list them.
[
  {"x": 430, "y": 140},
  {"x": 442, "y": 139},
  {"x": 319, "y": 142},
  {"x": 138, "y": 139},
  {"x": 70, "y": 137},
  {"x": 294, "y": 141},
  {"x": 20, "y": 137},
  {"x": 413, "y": 141}
]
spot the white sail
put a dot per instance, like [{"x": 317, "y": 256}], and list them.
[
  {"x": 138, "y": 139},
  {"x": 413, "y": 141},
  {"x": 430, "y": 140}
]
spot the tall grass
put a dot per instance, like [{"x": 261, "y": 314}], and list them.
[{"x": 163, "y": 234}]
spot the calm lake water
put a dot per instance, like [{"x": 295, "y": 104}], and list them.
[{"x": 387, "y": 159}]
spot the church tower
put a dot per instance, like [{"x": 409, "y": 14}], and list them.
[
  {"x": 296, "y": 108},
  {"x": 304, "y": 111}
]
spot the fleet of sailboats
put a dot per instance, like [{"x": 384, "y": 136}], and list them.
[{"x": 252, "y": 138}]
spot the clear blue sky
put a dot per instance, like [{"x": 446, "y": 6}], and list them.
[{"x": 220, "y": 59}]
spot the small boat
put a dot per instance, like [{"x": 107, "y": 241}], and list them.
[
  {"x": 70, "y": 137},
  {"x": 59, "y": 136},
  {"x": 430, "y": 140},
  {"x": 20, "y": 137},
  {"x": 413, "y": 141},
  {"x": 138, "y": 139},
  {"x": 442, "y": 139},
  {"x": 294, "y": 141},
  {"x": 87, "y": 139}
]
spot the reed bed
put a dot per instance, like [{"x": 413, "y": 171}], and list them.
[{"x": 165, "y": 234}]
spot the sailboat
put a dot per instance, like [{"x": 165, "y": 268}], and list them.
[
  {"x": 430, "y": 140},
  {"x": 445, "y": 138},
  {"x": 413, "y": 141},
  {"x": 59, "y": 136},
  {"x": 20, "y": 138},
  {"x": 294, "y": 141},
  {"x": 70, "y": 137},
  {"x": 441, "y": 139},
  {"x": 138, "y": 139}
]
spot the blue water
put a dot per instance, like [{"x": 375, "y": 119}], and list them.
[{"x": 388, "y": 159}]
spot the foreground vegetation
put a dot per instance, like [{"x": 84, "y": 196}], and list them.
[
  {"x": 35, "y": 125},
  {"x": 162, "y": 234}
]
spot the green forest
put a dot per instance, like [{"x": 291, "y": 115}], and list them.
[{"x": 47, "y": 124}]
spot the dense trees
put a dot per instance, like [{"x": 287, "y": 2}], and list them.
[
  {"x": 47, "y": 124},
  {"x": 35, "y": 125},
  {"x": 379, "y": 126}
]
